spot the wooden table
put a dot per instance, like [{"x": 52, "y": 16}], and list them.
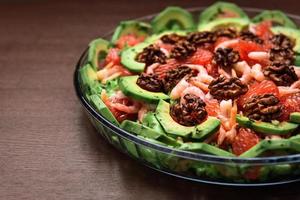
[{"x": 48, "y": 148}]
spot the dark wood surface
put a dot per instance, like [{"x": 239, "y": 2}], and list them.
[{"x": 48, "y": 148}]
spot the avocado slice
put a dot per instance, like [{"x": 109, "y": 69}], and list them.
[
  {"x": 281, "y": 128},
  {"x": 236, "y": 23},
  {"x": 295, "y": 117},
  {"x": 129, "y": 87},
  {"x": 150, "y": 121},
  {"x": 276, "y": 16},
  {"x": 173, "y": 18},
  {"x": 266, "y": 145},
  {"x": 292, "y": 33},
  {"x": 147, "y": 132},
  {"x": 217, "y": 11},
  {"x": 205, "y": 148},
  {"x": 100, "y": 106},
  {"x": 131, "y": 27},
  {"x": 89, "y": 81},
  {"x": 205, "y": 129},
  {"x": 201, "y": 131},
  {"x": 128, "y": 57},
  {"x": 97, "y": 51}
]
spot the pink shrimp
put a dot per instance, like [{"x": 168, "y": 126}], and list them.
[
  {"x": 150, "y": 69},
  {"x": 228, "y": 135},
  {"x": 256, "y": 73},
  {"x": 199, "y": 84},
  {"x": 259, "y": 55},
  {"x": 127, "y": 109},
  {"x": 244, "y": 69},
  {"x": 192, "y": 90},
  {"x": 287, "y": 90},
  {"x": 179, "y": 88},
  {"x": 227, "y": 43}
]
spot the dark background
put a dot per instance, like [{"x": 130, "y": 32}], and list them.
[{"x": 48, "y": 148}]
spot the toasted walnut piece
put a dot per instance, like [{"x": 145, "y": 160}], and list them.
[
  {"x": 281, "y": 75},
  {"x": 249, "y": 36},
  {"x": 200, "y": 38},
  {"x": 172, "y": 38},
  {"x": 173, "y": 76},
  {"x": 223, "y": 88},
  {"x": 281, "y": 56},
  {"x": 264, "y": 107},
  {"x": 226, "y": 32},
  {"x": 150, "y": 82},
  {"x": 226, "y": 57},
  {"x": 190, "y": 112},
  {"x": 182, "y": 50},
  {"x": 151, "y": 54},
  {"x": 282, "y": 41}
]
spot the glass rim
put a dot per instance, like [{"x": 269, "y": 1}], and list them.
[{"x": 294, "y": 158}]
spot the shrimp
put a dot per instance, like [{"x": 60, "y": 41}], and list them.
[
  {"x": 225, "y": 111},
  {"x": 199, "y": 84},
  {"x": 127, "y": 109},
  {"x": 221, "y": 136},
  {"x": 294, "y": 88},
  {"x": 192, "y": 90},
  {"x": 244, "y": 69},
  {"x": 228, "y": 135},
  {"x": 111, "y": 71},
  {"x": 150, "y": 69},
  {"x": 112, "y": 102},
  {"x": 287, "y": 90},
  {"x": 165, "y": 51},
  {"x": 226, "y": 44},
  {"x": 256, "y": 73},
  {"x": 179, "y": 88},
  {"x": 259, "y": 55}
]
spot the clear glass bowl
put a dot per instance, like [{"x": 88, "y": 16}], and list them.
[{"x": 188, "y": 165}]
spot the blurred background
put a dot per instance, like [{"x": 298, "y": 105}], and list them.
[{"x": 48, "y": 148}]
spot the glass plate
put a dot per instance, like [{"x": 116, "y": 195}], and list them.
[{"x": 188, "y": 165}]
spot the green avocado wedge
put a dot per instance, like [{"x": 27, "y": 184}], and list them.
[
  {"x": 295, "y": 117},
  {"x": 277, "y": 18},
  {"x": 205, "y": 148},
  {"x": 128, "y": 57},
  {"x": 147, "y": 132},
  {"x": 150, "y": 121},
  {"x": 235, "y": 23},
  {"x": 137, "y": 28},
  {"x": 200, "y": 132},
  {"x": 220, "y": 10},
  {"x": 275, "y": 144},
  {"x": 100, "y": 106},
  {"x": 281, "y": 128},
  {"x": 88, "y": 79},
  {"x": 129, "y": 87},
  {"x": 173, "y": 18},
  {"x": 97, "y": 51}
]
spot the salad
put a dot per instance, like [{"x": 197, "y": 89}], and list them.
[{"x": 226, "y": 85}]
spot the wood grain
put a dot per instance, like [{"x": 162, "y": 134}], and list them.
[{"x": 48, "y": 148}]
